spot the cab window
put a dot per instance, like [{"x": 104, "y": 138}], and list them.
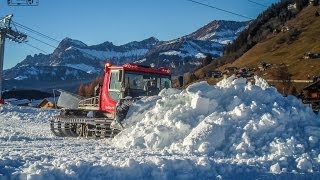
[
  {"x": 165, "y": 83},
  {"x": 114, "y": 83}
]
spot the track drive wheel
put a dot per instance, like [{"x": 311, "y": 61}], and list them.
[
  {"x": 78, "y": 129},
  {"x": 87, "y": 130}
]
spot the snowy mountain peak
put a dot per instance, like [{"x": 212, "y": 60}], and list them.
[
  {"x": 68, "y": 42},
  {"x": 145, "y": 44},
  {"x": 218, "y": 31},
  {"x": 103, "y": 46},
  {"x": 181, "y": 54},
  {"x": 184, "y": 53},
  {"x": 151, "y": 40}
]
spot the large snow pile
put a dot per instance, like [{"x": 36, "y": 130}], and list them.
[
  {"x": 229, "y": 131},
  {"x": 28, "y": 150},
  {"x": 233, "y": 121}
]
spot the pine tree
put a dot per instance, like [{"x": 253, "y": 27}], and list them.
[
  {"x": 207, "y": 60},
  {"x": 82, "y": 91}
]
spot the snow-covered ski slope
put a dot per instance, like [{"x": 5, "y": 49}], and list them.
[{"x": 232, "y": 130}]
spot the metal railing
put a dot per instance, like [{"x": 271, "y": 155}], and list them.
[{"x": 89, "y": 103}]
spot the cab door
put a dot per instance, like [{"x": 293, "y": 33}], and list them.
[{"x": 115, "y": 85}]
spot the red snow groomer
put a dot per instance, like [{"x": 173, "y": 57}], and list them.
[{"x": 101, "y": 116}]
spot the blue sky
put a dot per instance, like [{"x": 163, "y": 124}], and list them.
[{"x": 117, "y": 21}]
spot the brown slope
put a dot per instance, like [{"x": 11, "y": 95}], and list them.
[{"x": 273, "y": 51}]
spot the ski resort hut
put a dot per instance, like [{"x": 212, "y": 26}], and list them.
[
  {"x": 311, "y": 55},
  {"x": 231, "y": 70},
  {"x": 312, "y": 91},
  {"x": 216, "y": 74},
  {"x": 45, "y": 103},
  {"x": 314, "y": 2},
  {"x": 311, "y": 95}
]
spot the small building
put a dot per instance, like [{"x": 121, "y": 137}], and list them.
[
  {"x": 231, "y": 70},
  {"x": 216, "y": 74},
  {"x": 292, "y": 7},
  {"x": 314, "y": 2},
  {"x": 311, "y": 95},
  {"x": 263, "y": 66},
  {"x": 312, "y": 91},
  {"x": 246, "y": 74},
  {"x": 276, "y": 31},
  {"x": 45, "y": 103},
  {"x": 311, "y": 55},
  {"x": 285, "y": 28}
]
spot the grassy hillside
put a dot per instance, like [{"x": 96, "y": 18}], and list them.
[
  {"x": 277, "y": 49},
  {"x": 287, "y": 47}
]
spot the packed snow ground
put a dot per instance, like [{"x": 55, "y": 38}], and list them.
[{"x": 232, "y": 130}]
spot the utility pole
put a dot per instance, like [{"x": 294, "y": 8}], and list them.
[
  {"x": 6, "y": 31},
  {"x": 2, "y": 40}
]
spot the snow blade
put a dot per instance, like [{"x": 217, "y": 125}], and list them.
[{"x": 68, "y": 100}]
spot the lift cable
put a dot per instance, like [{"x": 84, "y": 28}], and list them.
[
  {"x": 34, "y": 31},
  {"x": 227, "y": 11},
  {"x": 258, "y": 3},
  {"x": 42, "y": 42},
  {"x": 42, "y": 35},
  {"x": 36, "y": 47}
]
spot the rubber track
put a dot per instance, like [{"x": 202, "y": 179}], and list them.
[{"x": 87, "y": 127}]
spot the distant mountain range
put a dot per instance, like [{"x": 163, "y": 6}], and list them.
[{"x": 73, "y": 62}]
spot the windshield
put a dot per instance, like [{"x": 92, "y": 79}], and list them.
[{"x": 142, "y": 84}]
